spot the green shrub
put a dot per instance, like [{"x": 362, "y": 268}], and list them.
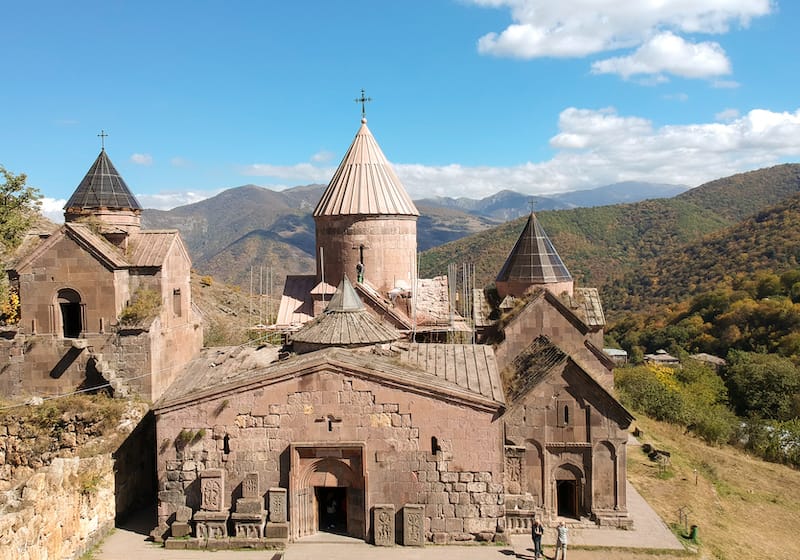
[{"x": 145, "y": 305}]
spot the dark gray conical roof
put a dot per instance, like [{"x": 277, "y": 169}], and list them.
[
  {"x": 345, "y": 299},
  {"x": 345, "y": 322},
  {"x": 534, "y": 259},
  {"x": 103, "y": 187}
]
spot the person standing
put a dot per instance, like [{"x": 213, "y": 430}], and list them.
[
  {"x": 537, "y": 530},
  {"x": 561, "y": 541}
]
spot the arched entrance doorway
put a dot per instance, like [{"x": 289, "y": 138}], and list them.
[
  {"x": 568, "y": 482},
  {"x": 327, "y": 485},
  {"x": 71, "y": 311}
]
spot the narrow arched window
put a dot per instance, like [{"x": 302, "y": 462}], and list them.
[
  {"x": 566, "y": 415},
  {"x": 434, "y": 445}
]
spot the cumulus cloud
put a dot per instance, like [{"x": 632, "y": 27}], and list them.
[
  {"x": 575, "y": 28},
  {"x": 599, "y": 147},
  {"x": 53, "y": 209},
  {"x": 593, "y": 147},
  {"x": 142, "y": 159},
  {"x": 169, "y": 200},
  {"x": 727, "y": 115},
  {"x": 668, "y": 53}
]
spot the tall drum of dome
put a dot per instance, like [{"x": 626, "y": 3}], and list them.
[
  {"x": 103, "y": 195},
  {"x": 366, "y": 223}
]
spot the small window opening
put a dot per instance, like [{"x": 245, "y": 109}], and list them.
[
  {"x": 176, "y": 302},
  {"x": 226, "y": 444},
  {"x": 566, "y": 415},
  {"x": 435, "y": 445}
]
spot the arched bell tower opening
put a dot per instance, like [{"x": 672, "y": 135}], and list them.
[{"x": 70, "y": 313}]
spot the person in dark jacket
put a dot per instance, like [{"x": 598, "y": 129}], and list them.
[{"x": 537, "y": 530}]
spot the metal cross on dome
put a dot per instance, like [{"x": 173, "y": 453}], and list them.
[
  {"x": 363, "y": 100},
  {"x": 102, "y": 137}
]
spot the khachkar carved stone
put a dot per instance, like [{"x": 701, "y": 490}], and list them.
[
  {"x": 383, "y": 524},
  {"x": 250, "y": 485},
  {"x": 513, "y": 468},
  {"x": 212, "y": 521},
  {"x": 277, "y": 505},
  {"x": 212, "y": 486},
  {"x": 277, "y": 527},
  {"x": 249, "y": 517},
  {"x": 413, "y": 525}
]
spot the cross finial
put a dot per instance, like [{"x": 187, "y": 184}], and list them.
[
  {"x": 102, "y": 137},
  {"x": 363, "y": 100}
]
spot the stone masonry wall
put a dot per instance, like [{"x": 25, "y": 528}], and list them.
[
  {"x": 60, "y": 511},
  {"x": 460, "y": 483}
]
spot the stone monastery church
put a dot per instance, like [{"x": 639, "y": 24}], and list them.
[{"x": 367, "y": 422}]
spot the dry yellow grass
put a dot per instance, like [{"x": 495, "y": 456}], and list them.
[{"x": 744, "y": 507}]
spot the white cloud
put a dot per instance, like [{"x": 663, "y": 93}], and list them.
[
  {"x": 576, "y": 28},
  {"x": 666, "y": 52},
  {"x": 682, "y": 97},
  {"x": 171, "y": 199},
  {"x": 727, "y": 115},
  {"x": 297, "y": 172},
  {"x": 142, "y": 159},
  {"x": 594, "y": 147},
  {"x": 53, "y": 209},
  {"x": 725, "y": 84},
  {"x": 180, "y": 162},
  {"x": 323, "y": 156},
  {"x": 599, "y": 147}
]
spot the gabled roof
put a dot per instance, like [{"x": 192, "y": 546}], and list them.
[
  {"x": 365, "y": 183},
  {"x": 542, "y": 359},
  {"x": 388, "y": 371},
  {"x": 149, "y": 248},
  {"x": 533, "y": 258},
  {"x": 471, "y": 366},
  {"x": 103, "y": 187},
  {"x": 109, "y": 255},
  {"x": 297, "y": 306}
]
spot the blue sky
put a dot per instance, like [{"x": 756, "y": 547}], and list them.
[{"x": 469, "y": 96}]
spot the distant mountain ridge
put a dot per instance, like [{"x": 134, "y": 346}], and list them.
[
  {"x": 507, "y": 205},
  {"x": 602, "y": 246},
  {"x": 252, "y": 226}
]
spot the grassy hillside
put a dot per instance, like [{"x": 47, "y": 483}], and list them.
[{"x": 743, "y": 507}]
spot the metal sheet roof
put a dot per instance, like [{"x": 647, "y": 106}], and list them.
[
  {"x": 534, "y": 259},
  {"x": 365, "y": 183},
  {"x": 471, "y": 366},
  {"x": 103, "y": 187},
  {"x": 346, "y": 322},
  {"x": 150, "y": 247}
]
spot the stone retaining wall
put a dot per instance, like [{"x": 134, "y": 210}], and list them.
[{"x": 60, "y": 511}]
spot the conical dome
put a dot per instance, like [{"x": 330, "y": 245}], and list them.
[
  {"x": 345, "y": 322},
  {"x": 533, "y": 261},
  {"x": 104, "y": 196},
  {"x": 365, "y": 183},
  {"x": 103, "y": 187}
]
